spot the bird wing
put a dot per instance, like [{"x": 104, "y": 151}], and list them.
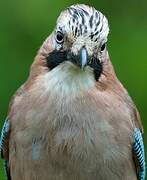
[
  {"x": 5, "y": 133},
  {"x": 138, "y": 152},
  {"x": 138, "y": 147},
  {"x": 4, "y": 146}
]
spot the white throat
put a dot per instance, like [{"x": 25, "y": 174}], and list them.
[{"x": 69, "y": 79}]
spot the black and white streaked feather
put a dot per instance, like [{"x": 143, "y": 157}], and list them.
[
  {"x": 4, "y": 135},
  {"x": 138, "y": 150},
  {"x": 82, "y": 20}
]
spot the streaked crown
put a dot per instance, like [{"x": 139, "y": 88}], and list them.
[{"x": 81, "y": 20}]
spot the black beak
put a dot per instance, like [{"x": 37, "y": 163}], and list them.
[{"x": 83, "y": 57}]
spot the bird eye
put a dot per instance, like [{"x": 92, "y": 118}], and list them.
[
  {"x": 59, "y": 37},
  {"x": 103, "y": 47}
]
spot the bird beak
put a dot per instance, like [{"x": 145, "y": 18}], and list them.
[{"x": 83, "y": 57}]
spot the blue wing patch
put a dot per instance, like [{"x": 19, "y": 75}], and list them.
[
  {"x": 3, "y": 146},
  {"x": 4, "y": 133},
  {"x": 138, "y": 150}
]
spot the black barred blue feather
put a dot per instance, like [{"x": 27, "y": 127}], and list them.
[
  {"x": 4, "y": 135},
  {"x": 138, "y": 150}
]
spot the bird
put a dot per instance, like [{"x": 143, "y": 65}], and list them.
[{"x": 73, "y": 119}]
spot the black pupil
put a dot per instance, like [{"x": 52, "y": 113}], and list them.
[
  {"x": 59, "y": 37},
  {"x": 103, "y": 47}
]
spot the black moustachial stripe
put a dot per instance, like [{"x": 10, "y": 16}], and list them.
[
  {"x": 57, "y": 57},
  {"x": 97, "y": 67}
]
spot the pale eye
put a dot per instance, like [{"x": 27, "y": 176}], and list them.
[
  {"x": 103, "y": 47},
  {"x": 59, "y": 37}
]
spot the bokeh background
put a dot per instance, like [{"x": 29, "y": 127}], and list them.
[{"x": 25, "y": 24}]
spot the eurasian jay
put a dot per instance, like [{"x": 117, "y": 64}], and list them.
[{"x": 73, "y": 119}]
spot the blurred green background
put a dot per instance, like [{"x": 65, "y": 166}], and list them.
[{"x": 25, "y": 24}]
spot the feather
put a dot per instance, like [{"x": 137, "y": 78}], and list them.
[
  {"x": 138, "y": 150},
  {"x": 4, "y": 146}
]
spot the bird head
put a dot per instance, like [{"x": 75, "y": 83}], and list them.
[{"x": 79, "y": 39}]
